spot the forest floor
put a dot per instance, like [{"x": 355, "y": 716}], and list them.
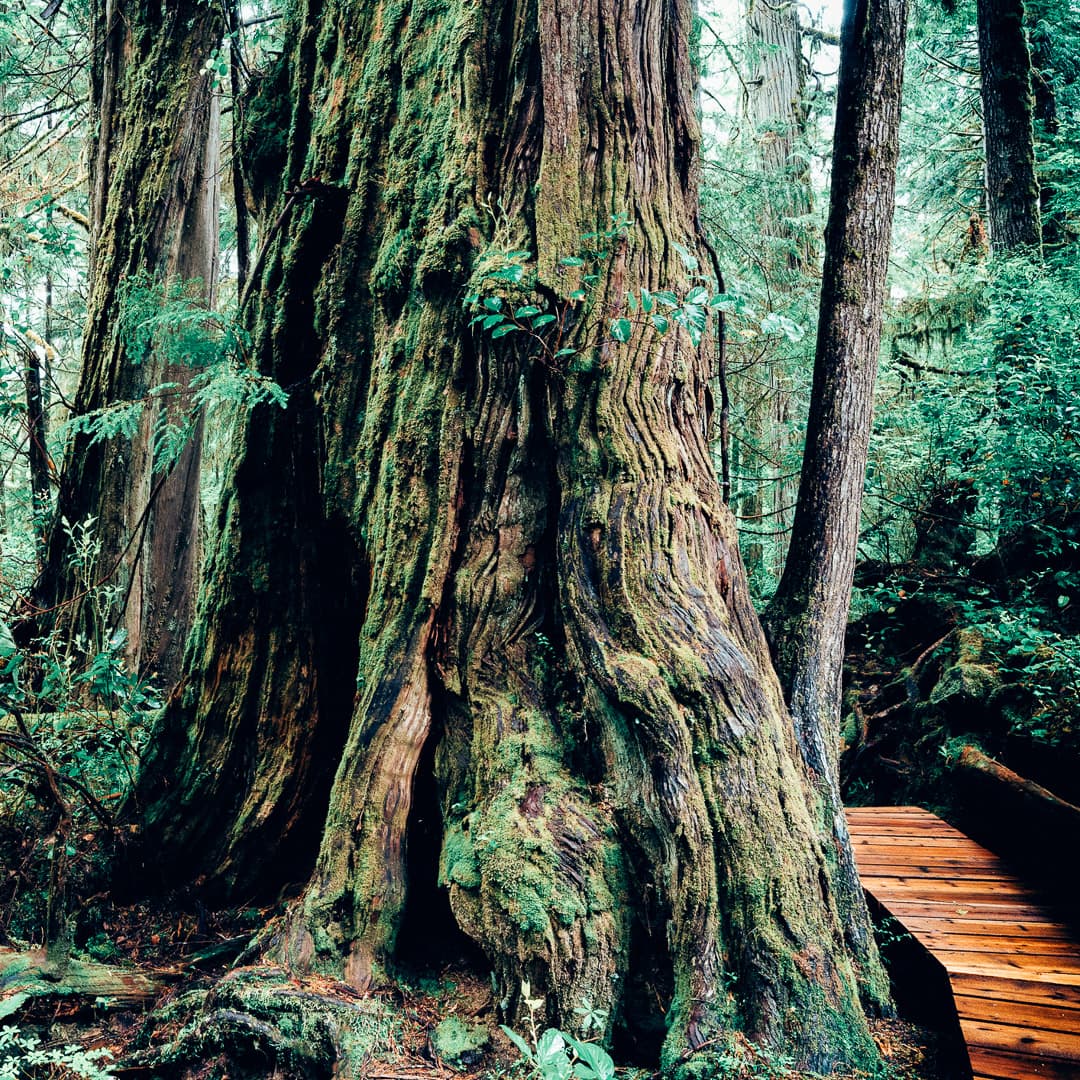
[{"x": 438, "y": 1023}]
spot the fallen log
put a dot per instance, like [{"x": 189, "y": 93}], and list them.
[
  {"x": 972, "y": 759},
  {"x": 30, "y": 975}
]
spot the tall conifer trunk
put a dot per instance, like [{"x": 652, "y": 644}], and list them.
[
  {"x": 456, "y": 561},
  {"x": 776, "y": 106},
  {"x": 1012, "y": 189},
  {"x": 807, "y": 617},
  {"x": 154, "y": 207}
]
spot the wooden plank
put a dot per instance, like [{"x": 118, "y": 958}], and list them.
[
  {"x": 977, "y": 984},
  {"x": 1042, "y": 969},
  {"x": 981, "y": 910},
  {"x": 916, "y": 832},
  {"x": 872, "y": 814},
  {"x": 942, "y": 909},
  {"x": 907, "y": 839},
  {"x": 941, "y": 942},
  {"x": 906, "y": 820},
  {"x": 1005, "y": 1065},
  {"x": 1018, "y": 1013},
  {"x": 910, "y": 887},
  {"x": 1029, "y": 929},
  {"x": 930, "y": 872},
  {"x": 1022, "y": 1039},
  {"x": 1014, "y": 967},
  {"x": 876, "y": 862}
]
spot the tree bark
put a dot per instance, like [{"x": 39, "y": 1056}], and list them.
[
  {"x": 154, "y": 202},
  {"x": 467, "y": 563},
  {"x": 1012, "y": 189},
  {"x": 37, "y": 444},
  {"x": 807, "y": 618},
  {"x": 775, "y": 105}
]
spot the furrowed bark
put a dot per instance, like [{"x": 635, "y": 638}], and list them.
[
  {"x": 531, "y": 562},
  {"x": 807, "y": 617},
  {"x": 154, "y": 200}
]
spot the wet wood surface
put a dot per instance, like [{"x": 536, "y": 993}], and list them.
[{"x": 1012, "y": 958}]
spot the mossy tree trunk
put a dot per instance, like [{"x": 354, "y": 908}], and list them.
[
  {"x": 807, "y": 617},
  {"x": 1012, "y": 188},
  {"x": 459, "y": 562},
  {"x": 154, "y": 208}
]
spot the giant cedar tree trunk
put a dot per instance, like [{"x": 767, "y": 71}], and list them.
[
  {"x": 154, "y": 206},
  {"x": 807, "y": 618},
  {"x": 1012, "y": 188},
  {"x": 452, "y": 562}
]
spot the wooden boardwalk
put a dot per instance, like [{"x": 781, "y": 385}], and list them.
[{"x": 1012, "y": 963}]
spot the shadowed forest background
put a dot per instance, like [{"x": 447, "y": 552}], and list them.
[{"x": 484, "y": 484}]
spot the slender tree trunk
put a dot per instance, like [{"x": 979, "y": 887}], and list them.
[
  {"x": 1012, "y": 188},
  {"x": 775, "y": 106},
  {"x": 807, "y": 618},
  {"x": 37, "y": 446},
  {"x": 461, "y": 563},
  {"x": 154, "y": 198}
]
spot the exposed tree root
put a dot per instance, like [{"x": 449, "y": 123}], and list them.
[{"x": 261, "y": 1022}]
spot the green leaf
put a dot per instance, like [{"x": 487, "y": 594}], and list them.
[
  {"x": 493, "y": 303},
  {"x": 594, "y": 1062},
  {"x": 662, "y": 323},
  {"x": 631, "y": 303},
  {"x": 526, "y": 311},
  {"x": 493, "y": 320},
  {"x": 571, "y": 260},
  {"x": 685, "y": 254},
  {"x": 621, "y": 329},
  {"x": 513, "y": 274},
  {"x": 551, "y": 1057},
  {"x": 646, "y": 301},
  {"x": 542, "y": 320},
  {"x": 502, "y": 331},
  {"x": 697, "y": 295},
  {"x": 565, "y": 352}
]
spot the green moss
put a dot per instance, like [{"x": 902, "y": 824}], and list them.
[
  {"x": 459, "y": 1042},
  {"x": 458, "y": 864}
]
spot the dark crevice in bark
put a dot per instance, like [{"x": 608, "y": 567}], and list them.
[
  {"x": 430, "y": 937},
  {"x": 649, "y": 981}
]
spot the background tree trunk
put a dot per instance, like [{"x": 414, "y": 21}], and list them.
[
  {"x": 37, "y": 442},
  {"x": 470, "y": 568},
  {"x": 154, "y": 207},
  {"x": 776, "y": 107},
  {"x": 1012, "y": 188},
  {"x": 807, "y": 617}
]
